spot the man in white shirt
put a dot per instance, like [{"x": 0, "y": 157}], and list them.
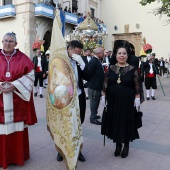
[
  {"x": 151, "y": 71},
  {"x": 40, "y": 69}
]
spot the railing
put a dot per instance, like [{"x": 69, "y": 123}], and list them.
[
  {"x": 7, "y": 11},
  {"x": 44, "y": 10},
  {"x": 71, "y": 18}
]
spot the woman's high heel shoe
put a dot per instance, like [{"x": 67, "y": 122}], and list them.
[
  {"x": 118, "y": 149},
  {"x": 125, "y": 151}
]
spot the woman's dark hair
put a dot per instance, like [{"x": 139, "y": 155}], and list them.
[
  {"x": 117, "y": 45},
  {"x": 128, "y": 52}
]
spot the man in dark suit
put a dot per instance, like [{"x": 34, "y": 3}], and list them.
[
  {"x": 81, "y": 72},
  {"x": 162, "y": 66},
  {"x": 156, "y": 62},
  {"x": 107, "y": 57},
  {"x": 86, "y": 58},
  {"x": 40, "y": 69},
  {"x": 95, "y": 83}
]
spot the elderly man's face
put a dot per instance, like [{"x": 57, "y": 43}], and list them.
[
  {"x": 100, "y": 55},
  {"x": 38, "y": 52},
  {"x": 9, "y": 44}
]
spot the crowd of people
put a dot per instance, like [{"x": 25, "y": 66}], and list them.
[
  {"x": 110, "y": 77},
  {"x": 163, "y": 67},
  {"x": 151, "y": 69},
  {"x": 80, "y": 15}
]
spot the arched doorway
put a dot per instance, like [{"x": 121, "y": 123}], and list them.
[
  {"x": 47, "y": 38},
  {"x": 135, "y": 40},
  {"x": 118, "y": 43}
]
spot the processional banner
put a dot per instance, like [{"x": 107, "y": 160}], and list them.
[{"x": 63, "y": 114}]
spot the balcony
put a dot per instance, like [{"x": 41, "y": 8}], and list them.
[
  {"x": 43, "y": 10},
  {"x": 7, "y": 11},
  {"x": 71, "y": 18}
]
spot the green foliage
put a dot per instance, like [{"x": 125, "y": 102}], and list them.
[
  {"x": 145, "y": 2},
  {"x": 164, "y": 8},
  {"x": 90, "y": 45}
]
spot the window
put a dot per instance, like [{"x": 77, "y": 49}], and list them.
[
  {"x": 74, "y": 6},
  {"x": 6, "y": 2},
  {"x": 92, "y": 11}
]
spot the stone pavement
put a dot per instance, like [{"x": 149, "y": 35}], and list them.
[{"x": 150, "y": 152}]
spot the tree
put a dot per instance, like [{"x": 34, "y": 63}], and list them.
[{"x": 164, "y": 8}]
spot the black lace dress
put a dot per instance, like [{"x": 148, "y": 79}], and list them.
[{"x": 119, "y": 121}]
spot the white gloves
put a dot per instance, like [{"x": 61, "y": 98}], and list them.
[
  {"x": 137, "y": 102},
  {"x": 79, "y": 60},
  {"x": 105, "y": 64},
  {"x": 84, "y": 81},
  {"x": 103, "y": 101}
]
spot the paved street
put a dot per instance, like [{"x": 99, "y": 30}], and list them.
[{"x": 150, "y": 152}]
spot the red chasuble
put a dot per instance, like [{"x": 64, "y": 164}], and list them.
[{"x": 14, "y": 141}]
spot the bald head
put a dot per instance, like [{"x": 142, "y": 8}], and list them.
[{"x": 99, "y": 52}]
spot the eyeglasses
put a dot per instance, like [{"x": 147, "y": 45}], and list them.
[{"x": 6, "y": 42}]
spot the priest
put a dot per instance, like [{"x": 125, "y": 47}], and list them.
[{"x": 17, "y": 110}]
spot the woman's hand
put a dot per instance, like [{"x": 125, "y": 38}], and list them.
[
  {"x": 137, "y": 102},
  {"x": 103, "y": 101}
]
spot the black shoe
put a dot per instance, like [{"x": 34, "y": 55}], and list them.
[
  {"x": 95, "y": 121},
  {"x": 97, "y": 117},
  {"x": 125, "y": 151},
  {"x": 81, "y": 158},
  {"x": 153, "y": 97},
  {"x": 118, "y": 149},
  {"x": 87, "y": 98},
  {"x": 35, "y": 94},
  {"x": 59, "y": 157},
  {"x": 147, "y": 98},
  {"x": 41, "y": 96}
]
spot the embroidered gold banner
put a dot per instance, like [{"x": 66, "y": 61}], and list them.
[{"x": 63, "y": 114}]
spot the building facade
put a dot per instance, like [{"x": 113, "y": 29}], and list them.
[
  {"x": 33, "y": 19},
  {"x": 128, "y": 20}
]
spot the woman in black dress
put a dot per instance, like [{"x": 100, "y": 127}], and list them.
[{"x": 122, "y": 89}]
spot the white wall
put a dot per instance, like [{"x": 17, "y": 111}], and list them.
[
  {"x": 130, "y": 12},
  {"x": 82, "y": 6},
  {"x": 9, "y": 25}
]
